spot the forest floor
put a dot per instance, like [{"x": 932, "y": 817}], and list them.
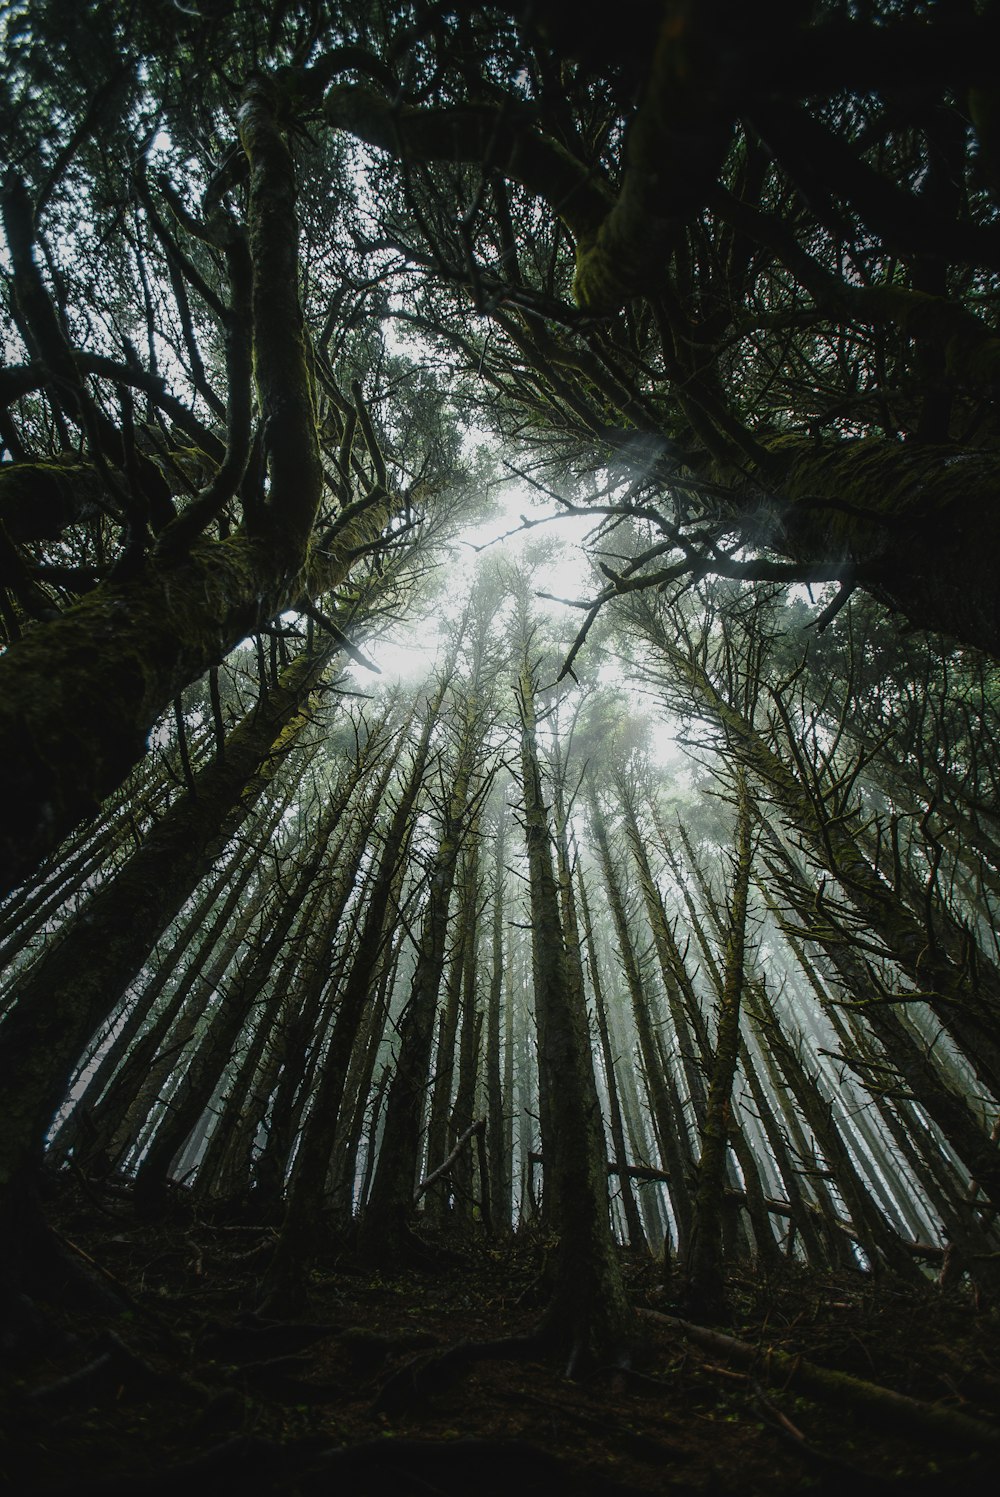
[{"x": 189, "y": 1389}]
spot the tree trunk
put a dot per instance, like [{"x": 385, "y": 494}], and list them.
[
  {"x": 384, "y": 1224},
  {"x": 85, "y": 973},
  {"x": 80, "y": 694},
  {"x": 669, "y": 1123},
  {"x": 704, "y": 1267},
  {"x": 633, "y": 1222},
  {"x": 589, "y": 1317}
]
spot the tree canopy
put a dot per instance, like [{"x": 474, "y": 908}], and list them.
[
  {"x": 730, "y": 281},
  {"x": 290, "y": 291}
]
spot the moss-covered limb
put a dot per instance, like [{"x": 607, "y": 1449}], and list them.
[
  {"x": 39, "y": 500},
  {"x": 918, "y": 527},
  {"x": 281, "y": 356},
  {"x": 153, "y": 386},
  {"x": 503, "y": 136},
  {"x": 675, "y": 148},
  {"x": 882, "y": 1406}
]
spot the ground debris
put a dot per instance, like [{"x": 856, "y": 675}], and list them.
[{"x": 407, "y": 1382}]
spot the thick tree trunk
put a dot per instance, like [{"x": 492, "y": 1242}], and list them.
[
  {"x": 80, "y": 694},
  {"x": 917, "y": 526}
]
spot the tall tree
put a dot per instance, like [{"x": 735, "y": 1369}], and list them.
[{"x": 588, "y": 1317}]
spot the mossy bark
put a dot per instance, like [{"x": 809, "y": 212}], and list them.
[
  {"x": 917, "y": 527},
  {"x": 80, "y": 694}
]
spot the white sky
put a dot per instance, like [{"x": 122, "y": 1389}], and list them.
[{"x": 406, "y": 652}]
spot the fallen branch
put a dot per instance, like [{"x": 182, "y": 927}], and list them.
[
  {"x": 443, "y": 1168},
  {"x": 929, "y": 1250},
  {"x": 881, "y": 1406}
]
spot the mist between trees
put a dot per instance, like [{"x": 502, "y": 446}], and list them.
[{"x": 290, "y": 296}]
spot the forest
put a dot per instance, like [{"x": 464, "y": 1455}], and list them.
[{"x": 500, "y": 719}]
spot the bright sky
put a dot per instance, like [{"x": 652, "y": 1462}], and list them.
[{"x": 406, "y": 654}]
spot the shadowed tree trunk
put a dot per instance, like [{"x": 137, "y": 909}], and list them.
[
  {"x": 384, "y": 1224},
  {"x": 121, "y": 1072},
  {"x": 704, "y": 1269},
  {"x": 79, "y": 694},
  {"x": 499, "y": 1087},
  {"x": 589, "y": 1317},
  {"x": 668, "y": 1120},
  {"x": 633, "y": 1222},
  {"x": 84, "y": 974},
  {"x": 966, "y": 1007},
  {"x": 313, "y": 1158}
]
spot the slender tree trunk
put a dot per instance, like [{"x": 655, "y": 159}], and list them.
[
  {"x": 914, "y": 1062},
  {"x": 588, "y": 1317},
  {"x": 202, "y": 1075},
  {"x": 463, "y": 1108},
  {"x": 880, "y": 1242},
  {"x": 84, "y": 975},
  {"x": 384, "y": 1225},
  {"x": 82, "y": 1130},
  {"x": 498, "y": 1089},
  {"x": 436, "y": 1198},
  {"x": 956, "y": 994},
  {"x": 313, "y": 1159},
  {"x": 705, "y": 1289},
  {"x": 633, "y": 1222},
  {"x": 668, "y": 1121}
]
